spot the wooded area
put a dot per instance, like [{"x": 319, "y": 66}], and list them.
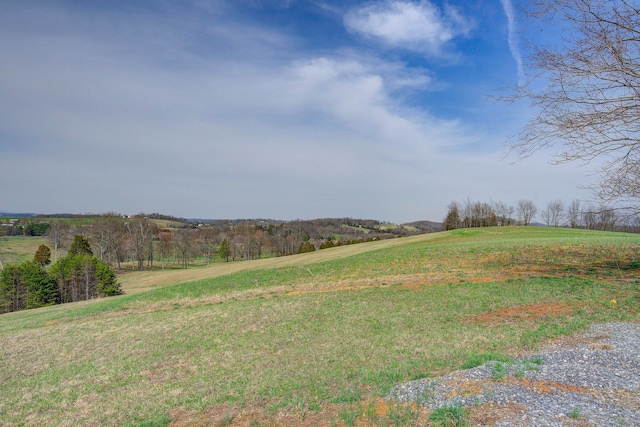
[
  {"x": 556, "y": 213},
  {"x": 147, "y": 241},
  {"x": 76, "y": 277}
]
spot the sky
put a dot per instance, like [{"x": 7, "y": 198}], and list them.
[{"x": 295, "y": 109}]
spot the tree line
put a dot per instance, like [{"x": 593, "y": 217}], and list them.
[
  {"x": 141, "y": 242},
  {"x": 23, "y": 227},
  {"x": 77, "y": 276},
  {"x": 555, "y": 214}
]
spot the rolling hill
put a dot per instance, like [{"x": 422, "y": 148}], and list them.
[{"x": 311, "y": 339}]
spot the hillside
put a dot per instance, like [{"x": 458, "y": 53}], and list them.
[{"x": 311, "y": 339}]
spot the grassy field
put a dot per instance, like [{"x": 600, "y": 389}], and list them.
[
  {"x": 314, "y": 339},
  {"x": 16, "y": 249}
]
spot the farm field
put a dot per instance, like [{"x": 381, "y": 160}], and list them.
[
  {"x": 311, "y": 339},
  {"x": 16, "y": 249}
]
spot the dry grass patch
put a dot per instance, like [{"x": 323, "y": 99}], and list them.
[{"x": 523, "y": 313}]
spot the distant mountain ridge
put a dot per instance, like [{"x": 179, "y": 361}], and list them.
[
  {"x": 4, "y": 214},
  {"x": 414, "y": 227}
]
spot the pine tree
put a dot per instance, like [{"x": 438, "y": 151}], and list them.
[
  {"x": 80, "y": 246},
  {"x": 43, "y": 255},
  {"x": 225, "y": 250}
]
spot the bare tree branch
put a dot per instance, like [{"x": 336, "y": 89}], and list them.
[{"x": 585, "y": 89}]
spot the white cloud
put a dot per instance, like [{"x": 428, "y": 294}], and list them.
[
  {"x": 514, "y": 45},
  {"x": 417, "y": 26}
]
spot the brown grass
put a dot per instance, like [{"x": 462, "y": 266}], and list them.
[{"x": 526, "y": 313}]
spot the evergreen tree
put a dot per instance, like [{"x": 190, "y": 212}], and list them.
[
  {"x": 106, "y": 285},
  {"x": 42, "y": 289},
  {"x": 82, "y": 277},
  {"x": 80, "y": 246},
  {"x": 26, "y": 285},
  {"x": 43, "y": 255},
  {"x": 12, "y": 294},
  {"x": 306, "y": 247},
  {"x": 225, "y": 250},
  {"x": 452, "y": 220}
]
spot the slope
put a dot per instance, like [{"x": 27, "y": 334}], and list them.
[{"x": 314, "y": 342}]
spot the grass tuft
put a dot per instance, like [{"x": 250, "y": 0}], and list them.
[
  {"x": 450, "y": 416},
  {"x": 480, "y": 359}
]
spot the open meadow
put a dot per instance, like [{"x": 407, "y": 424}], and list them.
[
  {"x": 311, "y": 339},
  {"x": 16, "y": 249}
]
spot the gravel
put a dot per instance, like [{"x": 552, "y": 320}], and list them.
[{"x": 588, "y": 380}]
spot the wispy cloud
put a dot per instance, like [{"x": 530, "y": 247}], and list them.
[
  {"x": 415, "y": 26},
  {"x": 514, "y": 45}
]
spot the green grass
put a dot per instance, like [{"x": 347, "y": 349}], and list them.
[
  {"x": 16, "y": 249},
  {"x": 450, "y": 416},
  {"x": 311, "y": 338},
  {"x": 481, "y": 359}
]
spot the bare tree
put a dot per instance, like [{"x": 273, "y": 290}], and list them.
[
  {"x": 184, "y": 245},
  {"x": 165, "y": 239},
  {"x": 553, "y": 215},
  {"x": 59, "y": 233},
  {"x": 205, "y": 238},
  {"x": 607, "y": 218},
  {"x": 141, "y": 233},
  {"x": 590, "y": 217},
  {"x": 526, "y": 211},
  {"x": 574, "y": 214},
  {"x": 585, "y": 87},
  {"x": 502, "y": 213},
  {"x": 106, "y": 233}
]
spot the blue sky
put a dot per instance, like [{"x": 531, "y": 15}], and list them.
[{"x": 273, "y": 109}]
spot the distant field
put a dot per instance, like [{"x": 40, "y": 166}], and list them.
[
  {"x": 16, "y": 249},
  {"x": 313, "y": 339},
  {"x": 138, "y": 281}
]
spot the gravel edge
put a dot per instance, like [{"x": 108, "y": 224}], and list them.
[{"x": 591, "y": 379}]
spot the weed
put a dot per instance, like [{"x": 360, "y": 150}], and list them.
[
  {"x": 481, "y": 359},
  {"x": 519, "y": 373},
  {"x": 370, "y": 411},
  {"x": 347, "y": 396},
  {"x": 402, "y": 415},
  {"x": 534, "y": 363},
  {"x": 538, "y": 360},
  {"x": 427, "y": 396},
  {"x": 450, "y": 416},
  {"x": 349, "y": 416},
  {"x": 226, "y": 421},
  {"x": 575, "y": 413},
  {"x": 498, "y": 371},
  {"x": 159, "y": 421}
]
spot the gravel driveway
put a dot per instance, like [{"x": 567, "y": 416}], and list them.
[{"x": 587, "y": 380}]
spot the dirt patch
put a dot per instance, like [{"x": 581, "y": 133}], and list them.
[
  {"x": 491, "y": 413},
  {"x": 548, "y": 387},
  {"x": 568, "y": 342},
  {"x": 368, "y": 413},
  {"x": 522, "y": 313}
]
